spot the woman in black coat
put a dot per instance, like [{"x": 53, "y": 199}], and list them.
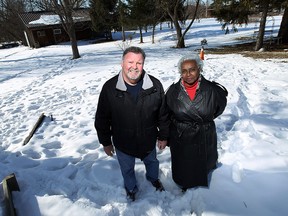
[{"x": 194, "y": 103}]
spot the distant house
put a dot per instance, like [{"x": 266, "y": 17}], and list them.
[{"x": 45, "y": 28}]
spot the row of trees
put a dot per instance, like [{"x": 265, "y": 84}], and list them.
[
  {"x": 120, "y": 15},
  {"x": 237, "y": 12},
  {"x": 143, "y": 13},
  {"x": 140, "y": 14}
]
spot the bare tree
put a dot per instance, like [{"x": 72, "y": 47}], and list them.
[
  {"x": 10, "y": 23},
  {"x": 176, "y": 11},
  {"x": 65, "y": 10}
]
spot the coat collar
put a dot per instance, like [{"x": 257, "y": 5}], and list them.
[{"x": 147, "y": 82}]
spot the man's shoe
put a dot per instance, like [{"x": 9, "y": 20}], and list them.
[
  {"x": 158, "y": 185},
  {"x": 131, "y": 194},
  {"x": 183, "y": 189}
]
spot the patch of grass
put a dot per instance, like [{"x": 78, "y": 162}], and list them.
[{"x": 273, "y": 51}]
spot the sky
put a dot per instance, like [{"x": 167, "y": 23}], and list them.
[{"x": 63, "y": 169}]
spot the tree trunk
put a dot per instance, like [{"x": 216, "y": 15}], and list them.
[
  {"x": 180, "y": 38},
  {"x": 123, "y": 34},
  {"x": 73, "y": 41},
  {"x": 153, "y": 34},
  {"x": 72, "y": 35},
  {"x": 141, "y": 35},
  {"x": 283, "y": 31},
  {"x": 192, "y": 21},
  {"x": 260, "y": 37},
  {"x": 173, "y": 14}
]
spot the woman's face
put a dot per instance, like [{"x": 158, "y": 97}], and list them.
[{"x": 190, "y": 72}]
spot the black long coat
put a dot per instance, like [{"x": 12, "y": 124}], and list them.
[
  {"x": 133, "y": 126},
  {"x": 193, "y": 138}
]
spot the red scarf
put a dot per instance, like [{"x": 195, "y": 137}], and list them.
[{"x": 191, "y": 90}]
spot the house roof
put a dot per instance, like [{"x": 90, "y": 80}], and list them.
[{"x": 46, "y": 18}]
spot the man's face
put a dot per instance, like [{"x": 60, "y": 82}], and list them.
[{"x": 132, "y": 67}]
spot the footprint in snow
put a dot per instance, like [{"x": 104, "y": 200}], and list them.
[{"x": 52, "y": 145}]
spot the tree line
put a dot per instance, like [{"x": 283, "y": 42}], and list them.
[
  {"x": 122, "y": 15},
  {"x": 238, "y": 12}
]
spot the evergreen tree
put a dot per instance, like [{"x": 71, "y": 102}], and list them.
[
  {"x": 123, "y": 13},
  {"x": 236, "y": 12},
  {"x": 104, "y": 16},
  {"x": 139, "y": 14}
]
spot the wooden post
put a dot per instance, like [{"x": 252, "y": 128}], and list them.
[
  {"x": 10, "y": 184},
  {"x": 38, "y": 123}
]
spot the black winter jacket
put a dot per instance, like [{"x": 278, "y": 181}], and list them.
[
  {"x": 193, "y": 138},
  {"x": 134, "y": 127}
]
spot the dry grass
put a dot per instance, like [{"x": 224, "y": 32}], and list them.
[{"x": 247, "y": 49}]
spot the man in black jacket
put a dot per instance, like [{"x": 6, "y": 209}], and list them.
[{"x": 132, "y": 111}]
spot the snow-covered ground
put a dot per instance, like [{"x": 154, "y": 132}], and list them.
[{"x": 63, "y": 170}]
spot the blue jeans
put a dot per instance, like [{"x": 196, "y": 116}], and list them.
[{"x": 127, "y": 165}]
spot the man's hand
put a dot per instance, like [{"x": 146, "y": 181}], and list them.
[
  {"x": 162, "y": 144},
  {"x": 109, "y": 150}
]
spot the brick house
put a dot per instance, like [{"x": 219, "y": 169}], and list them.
[{"x": 44, "y": 28}]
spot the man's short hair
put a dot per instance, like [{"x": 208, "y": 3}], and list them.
[{"x": 136, "y": 50}]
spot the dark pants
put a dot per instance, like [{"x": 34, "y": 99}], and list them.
[{"x": 127, "y": 165}]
